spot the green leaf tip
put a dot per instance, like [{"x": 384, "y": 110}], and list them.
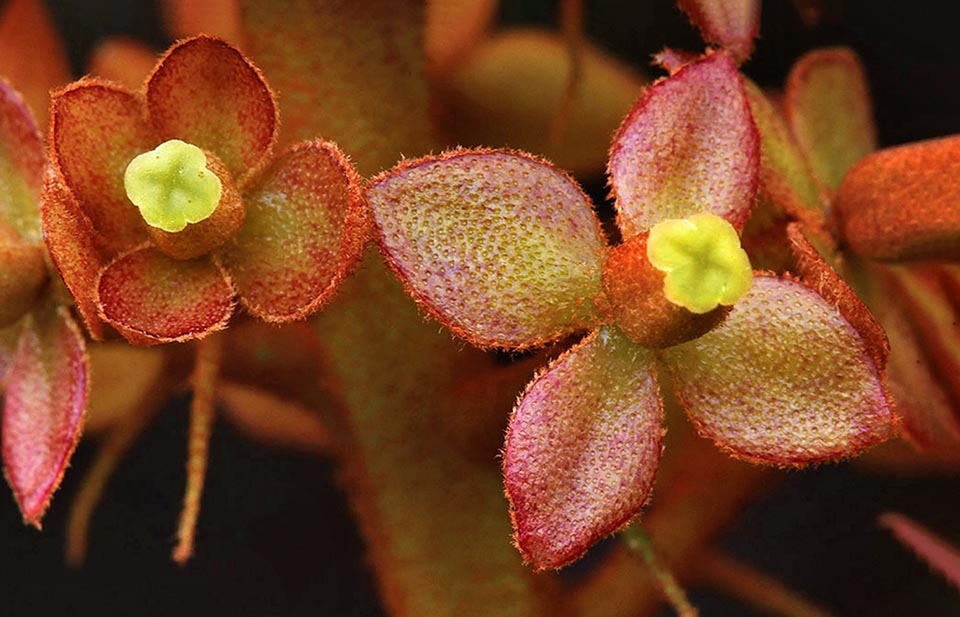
[
  {"x": 172, "y": 186},
  {"x": 705, "y": 264}
]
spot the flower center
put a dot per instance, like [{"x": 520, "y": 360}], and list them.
[
  {"x": 704, "y": 263},
  {"x": 172, "y": 186}
]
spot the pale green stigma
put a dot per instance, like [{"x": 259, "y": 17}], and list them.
[
  {"x": 705, "y": 264},
  {"x": 172, "y": 185}
]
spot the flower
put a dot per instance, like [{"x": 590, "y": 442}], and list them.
[
  {"x": 505, "y": 250},
  {"x": 161, "y": 209},
  {"x": 873, "y": 216},
  {"x": 43, "y": 362}
]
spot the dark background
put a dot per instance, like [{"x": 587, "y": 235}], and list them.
[{"x": 275, "y": 535}]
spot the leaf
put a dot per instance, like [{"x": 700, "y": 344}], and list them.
[
  {"x": 901, "y": 203},
  {"x": 207, "y": 93},
  {"x": 582, "y": 448},
  {"x": 784, "y": 380},
  {"x": 43, "y": 414},
  {"x": 485, "y": 107},
  {"x": 22, "y": 159},
  {"x": 828, "y": 107},
  {"x": 689, "y": 145},
  {"x": 151, "y": 298},
  {"x": 731, "y": 25},
  {"x": 304, "y": 231},
  {"x": 337, "y": 64},
  {"x": 931, "y": 548},
  {"x": 502, "y": 248}
]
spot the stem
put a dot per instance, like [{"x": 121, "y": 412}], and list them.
[
  {"x": 571, "y": 23},
  {"x": 754, "y": 588},
  {"x": 209, "y": 351},
  {"x": 639, "y": 543},
  {"x": 109, "y": 455}
]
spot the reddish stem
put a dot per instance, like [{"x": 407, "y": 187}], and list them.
[{"x": 209, "y": 352}]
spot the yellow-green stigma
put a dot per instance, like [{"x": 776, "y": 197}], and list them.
[
  {"x": 704, "y": 263},
  {"x": 172, "y": 185}
]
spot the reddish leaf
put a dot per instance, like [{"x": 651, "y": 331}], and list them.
[
  {"x": 731, "y": 25},
  {"x": 937, "y": 552},
  {"x": 151, "y": 298},
  {"x": 828, "y": 108},
  {"x": 901, "y": 203},
  {"x": 337, "y": 64},
  {"x": 97, "y": 128},
  {"x": 27, "y": 32},
  {"x": 502, "y": 248},
  {"x": 784, "y": 380},
  {"x": 304, "y": 230},
  {"x": 583, "y": 447},
  {"x": 21, "y": 165},
  {"x": 688, "y": 146},
  {"x": 205, "y": 92},
  {"x": 43, "y": 415}
]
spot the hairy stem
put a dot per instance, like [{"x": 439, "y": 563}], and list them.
[{"x": 209, "y": 351}]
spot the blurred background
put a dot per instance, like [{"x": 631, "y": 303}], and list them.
[{"x": 275, "y": 534}]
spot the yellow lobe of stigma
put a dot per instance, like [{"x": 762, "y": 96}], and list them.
[
  {"x": 704, "y": 263},
  {"x": 172, "y": 186}
]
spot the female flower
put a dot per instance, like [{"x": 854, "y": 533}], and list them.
[
  {"x": 505, "y": 250},
  {"x": 161, "y": 209}
]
